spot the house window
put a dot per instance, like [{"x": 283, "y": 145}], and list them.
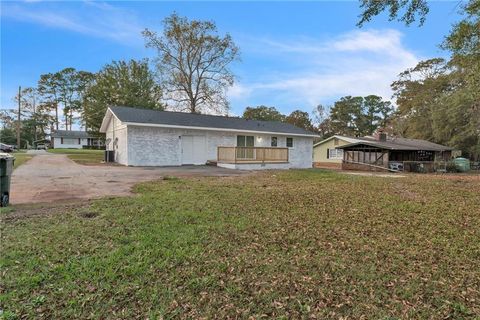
[
  {"x": 289, "y": 142},
  {"x": 245, "y": 141},
  {"x": 274, "y": 143},
  {"x": 335, "y": 154},
  {"x": 70, "y": 141}
]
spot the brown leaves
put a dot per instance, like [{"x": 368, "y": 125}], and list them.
[{"x": 311, "y": 245}]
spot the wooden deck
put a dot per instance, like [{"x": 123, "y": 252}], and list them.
[{"x": 251, "y": 155}]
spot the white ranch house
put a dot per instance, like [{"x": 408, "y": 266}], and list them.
[
  {"x": 73, "y": 139},
  {"x": 141, "y": 137}
]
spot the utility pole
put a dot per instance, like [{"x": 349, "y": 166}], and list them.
[
  {"x": 34, "y": 119},
  {"x": 18, "y": 118}
]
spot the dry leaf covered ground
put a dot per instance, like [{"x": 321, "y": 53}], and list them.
[{"x": 290, "y": 244}]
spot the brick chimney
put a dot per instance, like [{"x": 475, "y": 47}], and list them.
[{"x": 380, "y": 135}]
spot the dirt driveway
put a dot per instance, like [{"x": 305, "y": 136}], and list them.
[{"x": 54, "y": 177}]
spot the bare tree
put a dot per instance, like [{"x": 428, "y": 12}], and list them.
[
  {"x": 28, "y": 100},
  {"x": 320, "y": 114},
  {"x": 25, "y": 99},
  {"x": 193, "y": 64},
  {"x": 7, "y": 117}
]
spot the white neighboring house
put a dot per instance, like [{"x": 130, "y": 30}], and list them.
[
  {"x": 141, "y": 137},
  {"x": 70, "y": 139}
]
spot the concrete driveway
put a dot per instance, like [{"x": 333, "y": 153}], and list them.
[{"x": 51, "y": 177}]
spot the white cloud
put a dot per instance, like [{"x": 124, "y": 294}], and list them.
[
  {"x": 96, "y": 19},
  {"x": 354, "y": 63},
  {"x": 238, "y": 91},
  {"x": 373, "y": 40}
]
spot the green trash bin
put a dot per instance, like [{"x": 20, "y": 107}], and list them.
[
  {"x": 462, "y": 164},
  {"x": 6, "y": 170}
]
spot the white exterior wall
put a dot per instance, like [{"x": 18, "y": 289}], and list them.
[
  {"x": 116, "y": 135},
  {"x": 57, "y": 143},
  {"x": 155, "y": 146},
  {"x": 150, "y": 146},
  {"x": 300, "y": 156}
]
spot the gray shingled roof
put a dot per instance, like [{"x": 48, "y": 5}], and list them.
[
  {"x": 70, "y": 134},
  {"x": 145, "y": 116},
  {"x": 399, "y": 144}
]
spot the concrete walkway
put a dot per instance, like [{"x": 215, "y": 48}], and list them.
[
  {"x": 51, "y": 177},
  {"x": 374, "y": 174}
]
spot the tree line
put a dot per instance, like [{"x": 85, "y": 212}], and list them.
[
  {"x": 349, "y": 116},
  {"x": 437, "y": 100},
  {"x": 190, "y": 73}
]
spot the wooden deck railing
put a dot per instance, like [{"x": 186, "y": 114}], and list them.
[{"x": 251, "y": 154}]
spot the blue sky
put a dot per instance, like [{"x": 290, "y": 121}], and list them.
[{"x": 295, "y": 55}]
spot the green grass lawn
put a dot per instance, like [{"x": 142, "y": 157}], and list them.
[
  {"x": 20, "y": 158},
  {"x": 82, "y": 156},
  {"x": 291, "y": 244}
]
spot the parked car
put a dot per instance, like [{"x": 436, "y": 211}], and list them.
[
  {"x": 396, "y": 166},
  {"x": 41, "y": 146},
  {"x": 5, "y": 147}
]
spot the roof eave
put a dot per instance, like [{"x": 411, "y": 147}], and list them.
[
  {"x": 71, "y": 136},
  {"x": 393, "y": 148},
  {"x": 106, "y": 120},
  {"x": 334, "y": 136},
  {"x": 218, "y": 129},
  {"x": 365, "y": 143},
  {"x": 323, "y": 141}
]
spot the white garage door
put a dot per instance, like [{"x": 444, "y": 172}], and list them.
[{"x": 194, "y": 150}]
